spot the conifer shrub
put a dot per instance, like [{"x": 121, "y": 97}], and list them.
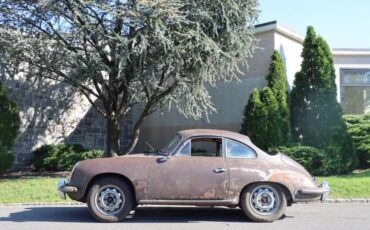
[
  {"x": 9, "y": 126},
  {"x": 314, "y": 160},
  {"x": 359, "y": 129},
  {"x": 61, "y": 157},
  {"x": 316, "y": 115},
  {"x": 266, "y": 118}
]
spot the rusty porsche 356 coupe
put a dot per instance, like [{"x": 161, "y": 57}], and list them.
[{"x": 198, "y": 167}]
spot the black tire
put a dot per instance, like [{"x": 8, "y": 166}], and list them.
[
  {"x": 109, "y": 188},
  {"x": 250, "y": 207}
]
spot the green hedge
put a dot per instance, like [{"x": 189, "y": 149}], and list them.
[
  {"x": 6, "y": 159},
  {"x": 359, "y": 128},
  {"x": 315, "y": 161},
  {"x": 61, "y": 157}
]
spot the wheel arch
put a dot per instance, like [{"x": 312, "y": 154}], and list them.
[
  {"x": 286, "y": 191},
  {"x": 116, "y": 175}
]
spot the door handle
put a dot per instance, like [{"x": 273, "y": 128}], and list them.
[{"x": 219, "y": 170}]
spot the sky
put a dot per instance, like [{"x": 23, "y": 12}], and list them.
[{"x": 342, "y": 23}]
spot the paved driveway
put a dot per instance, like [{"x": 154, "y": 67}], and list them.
[{"x": 300, "y": 216}]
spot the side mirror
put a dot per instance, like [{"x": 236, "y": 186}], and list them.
[{"x": 163, "y": 159}]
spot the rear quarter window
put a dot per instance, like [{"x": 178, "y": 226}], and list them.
[{"x": 236, "y": 149}]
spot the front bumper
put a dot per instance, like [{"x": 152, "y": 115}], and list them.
[
  {"x": 63, "y": 188},
  {"x": 310, "y": 194}
]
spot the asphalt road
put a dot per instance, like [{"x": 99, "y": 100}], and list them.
[{"x": 299, "y": 216}]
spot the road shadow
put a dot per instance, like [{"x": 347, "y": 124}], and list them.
[{"x": 140, "y": 215}]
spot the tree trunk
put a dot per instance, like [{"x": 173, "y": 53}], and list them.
[
  {"x": 136, "y": 130},
  {"x": 133, "y": 142},
  {"x": 113, "y": 147}
]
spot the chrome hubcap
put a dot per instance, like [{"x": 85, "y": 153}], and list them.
[
  {"x": 264, "y": 200},
  {"x": 110, "y": 200}
]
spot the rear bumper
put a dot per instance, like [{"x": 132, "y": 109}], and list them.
[
  {"x": 63, "y": 188},
  {"x": 311, "y": 194}
]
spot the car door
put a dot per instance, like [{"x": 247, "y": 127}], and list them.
[
  {"x": 242, "y": 164},
  {"x": 197, "y": 171}
]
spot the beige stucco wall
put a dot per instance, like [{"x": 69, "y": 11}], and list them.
[
  {"x": 290, "y": 51},
  {"x": 229, "y": 99}
]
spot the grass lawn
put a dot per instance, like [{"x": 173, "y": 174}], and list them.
[
  {"x": 43, "y": 189},
  {"x": 354, "y": 185}
]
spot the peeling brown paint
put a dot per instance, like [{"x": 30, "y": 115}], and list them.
[{"x": 184, "y": 179}]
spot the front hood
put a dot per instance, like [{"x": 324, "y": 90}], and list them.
[{"x": 106, "y": 163}]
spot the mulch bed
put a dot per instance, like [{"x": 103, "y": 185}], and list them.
[{"x": 31, "y": 174}]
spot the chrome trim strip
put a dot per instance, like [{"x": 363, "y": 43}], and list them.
[
  {"x": 318, "y": 191},
  {"x": 189, "y": 202}
]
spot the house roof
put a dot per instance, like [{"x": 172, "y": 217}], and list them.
[
  {"x": 279, "y": 28},
  {"x": 284, "y": 30},
  {"x": 350, "y": 52}
]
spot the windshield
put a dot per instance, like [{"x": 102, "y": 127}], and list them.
[{"x": 170, "y": 147}]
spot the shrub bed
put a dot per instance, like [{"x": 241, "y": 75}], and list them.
[
  {"x": 314, "y": 160},
  {"x": 6, "y": 159},
  {"x": 61, "y": 157},
  {"x": 359, "y": 128}
]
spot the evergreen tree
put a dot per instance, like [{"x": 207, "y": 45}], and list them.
[
  {"x": 273, "y": 135},
  {"x": 117, "y": 54},
  {"x": 261, "y": 119},
  {"x": 266, "y": 116},
  {"x": 277, "y": 82},
  {"x": 254, "y": 117},
  {"x": 9, "y": 125},
  {"x": 316, "y": 116},
  {"x": 9, "y": 120}
]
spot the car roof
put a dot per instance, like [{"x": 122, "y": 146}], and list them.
[{"x": 214, "y": 132}]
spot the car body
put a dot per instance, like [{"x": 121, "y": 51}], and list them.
[{"x": 198, "y": 167}]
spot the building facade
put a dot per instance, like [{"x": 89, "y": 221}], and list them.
[
  {"x": 53, "y": 113},
  {"x": 352, "y": 78}
]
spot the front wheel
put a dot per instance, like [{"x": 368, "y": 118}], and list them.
[
  {"x": 110, "y": 199},
  {"x": 263, "y": 202}
]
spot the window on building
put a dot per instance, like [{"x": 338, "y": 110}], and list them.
[{"x": 355, "y": 91}]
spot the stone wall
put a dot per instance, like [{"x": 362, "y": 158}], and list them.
[{"x": 52, "y": 112}]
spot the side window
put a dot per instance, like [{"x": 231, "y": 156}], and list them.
[
  {"x": 237, "y": 150},
  {"x": 206, "y": 147},
  {"x": 185, "y": 150}
]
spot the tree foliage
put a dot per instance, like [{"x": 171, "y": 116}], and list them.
[
  {"x": 9, "y": 127},
  {"x": 126, "y": 52},
  {"x": 261, "y": 116},
  {"x": 277, "y": 82},
  {"x": 9, "y": 120},
  {"x": 314, "y": 160},
  {"x": 266, "y": 116},
  {"x": 359, "y": 129},
  {"x": 61, "y": 157},
  {"x": 316, "y": 114}
]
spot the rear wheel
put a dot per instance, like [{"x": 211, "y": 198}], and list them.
[
  {"x": 110, "y": 199},
  {"x": 263, "y": 202}
]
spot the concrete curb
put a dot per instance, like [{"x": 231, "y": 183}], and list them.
[
  {"x": 44, "y": 204},
  {"x": 331, "y": 201},
  {"x": 352, "y": 200}
]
